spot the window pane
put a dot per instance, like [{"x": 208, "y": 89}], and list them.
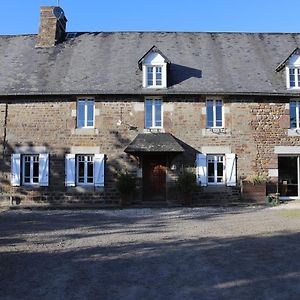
[
  {"x": 149, "y": 75},
  {"x": 210, "y": 169},
  {"x": 27, "y": 168},
  {"x": 148, "y": 113},
  {"x": 209, "y": 115},
  {"x": 298, "y": 72},
  {"x": 220, "y": 169},
  {"x": 219, "y": 106},
  {"x": 81, "y": 169},
  {"x": 80, "y": 114},
  {"x": 36, "y": 170},
  {"x": 90, "y": 113},
  {"x": 293, "y": 120},
  {"x": 292, "y": 77},
  {"x": 158, "y": 75},
  {"x": 158, "y": 113}
]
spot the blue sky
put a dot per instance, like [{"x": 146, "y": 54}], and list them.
[{"x": 22, "y": 16}]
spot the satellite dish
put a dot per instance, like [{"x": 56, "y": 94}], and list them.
[{"x": 58, "y": 13}]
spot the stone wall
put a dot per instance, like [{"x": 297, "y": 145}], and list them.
[{"x": 253, "y": 127}]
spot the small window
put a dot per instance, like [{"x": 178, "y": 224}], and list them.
[
  {"x": 30, "y": 169},
  {"x": 293, "y": 77},
  {"x": 85, "y": 113},
  {"x": 85, "y": 169},
  {"x": 154, "y": 76},
  {"x": 153, "y": 113},
  {"x": 295, "y": 114},
  {"x": 214, "y": 113},
  {"x": 215, "y": 169}
]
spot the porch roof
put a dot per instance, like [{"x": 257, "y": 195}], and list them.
[{"x": 154, "y": 142}]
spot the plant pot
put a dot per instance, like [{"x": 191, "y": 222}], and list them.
[
  {"x": 126, "y": 200},
  {"x": 187, "y": 199},
  {"x": 253, "y": 192}
]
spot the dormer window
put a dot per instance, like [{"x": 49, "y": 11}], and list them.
[
  {"x": 292, "y": 69},
  {"x": 154, "y": 76},
  {"x": 155, "y": 67},
  {"x": 293, "y": 77}
]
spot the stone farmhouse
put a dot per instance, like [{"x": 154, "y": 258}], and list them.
[{"x": 76, "y": 109}]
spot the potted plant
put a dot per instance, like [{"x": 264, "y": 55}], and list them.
[
  {"x": 186, "y": 184},
  {"x": 254, "y": 188},
  {"x": 126, "y": 186}
]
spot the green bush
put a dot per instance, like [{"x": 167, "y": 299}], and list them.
[
  {"x": 126, "y": 184},
  {"x": 186, "y": 182}
]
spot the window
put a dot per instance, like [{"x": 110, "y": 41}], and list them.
[
  {"x": 293, "y": 77},
  {"x": 295, "y": 114},
  {"x": 215, "y": 169},
  {"x": 85, "y": 113},
  {"x": 214, "y": 113},
  {"x": 153, "y": 113},
  {"x": 85, "y": 169},
  {"x": 29, "y": 169},
  {"x": 154, "y": 76}
]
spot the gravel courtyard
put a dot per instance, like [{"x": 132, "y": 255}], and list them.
[{"x": 179, "y": 253}]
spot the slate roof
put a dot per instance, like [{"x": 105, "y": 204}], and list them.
[
  {"x": 154, "y": 142},
  {"x": 107, "y": 63}
]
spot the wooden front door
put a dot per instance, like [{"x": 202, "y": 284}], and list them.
[{"x": 154, "y": 178}]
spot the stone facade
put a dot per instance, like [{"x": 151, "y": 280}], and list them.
[{"x": 253, "y": 127}]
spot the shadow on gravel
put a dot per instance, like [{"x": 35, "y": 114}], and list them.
[{"x": 251, "y": 267}]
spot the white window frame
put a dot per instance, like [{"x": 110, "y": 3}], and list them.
[
  {"x": 154, "y": 85},
  {"x": 152, "y": 99},
  {"x": 31, "y": 162},
  {"x": 293, "y": 63},
  {"x": 214, "y": 113},
  {"x": 215, "y": 158},
  {"x": 85, "y": 100},
  {"x": 85, "y": 156},
  {"x": 297, "y": 101}
]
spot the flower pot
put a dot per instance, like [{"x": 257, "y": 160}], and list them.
[{"x": 253, "y": 192}]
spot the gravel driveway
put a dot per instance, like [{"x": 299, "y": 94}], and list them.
[{"x": 191, "y": 253}]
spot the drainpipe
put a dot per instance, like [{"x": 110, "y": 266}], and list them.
[{"x": 4, "y": 130}]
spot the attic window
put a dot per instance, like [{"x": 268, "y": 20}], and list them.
[
  {"x": 293, "y": 72},
  {"x": 154, "y": 66}
]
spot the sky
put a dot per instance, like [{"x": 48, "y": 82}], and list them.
[{"x": 22, "y": 16}]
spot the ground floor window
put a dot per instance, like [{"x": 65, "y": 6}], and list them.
[
  {"x": 215, "y": 169},
  {"x": 288, "y": 176},
  {"x": 85, "y": 169},
  {"x": 30, "y": 169}
]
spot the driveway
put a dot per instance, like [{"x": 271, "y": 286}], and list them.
[{"x": 190, "y": 253}]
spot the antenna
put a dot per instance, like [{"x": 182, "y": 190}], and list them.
[{"x": 58, "y": 2}]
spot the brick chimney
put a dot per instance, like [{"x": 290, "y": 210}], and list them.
[{"x": 52, "y": 27}]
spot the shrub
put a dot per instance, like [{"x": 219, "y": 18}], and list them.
[
  {"x": 257, "y": 178},
  {"x": 186, "y": 182},
  {"x": 126, "y": 184}
]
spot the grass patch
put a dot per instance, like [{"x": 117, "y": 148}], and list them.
[{"x": 290, "y": 213}]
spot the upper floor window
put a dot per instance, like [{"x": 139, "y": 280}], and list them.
[
  {"x": 295, "y": 114},
  {"x": 214, "y": 113},
  {"x": 153, "y": 113},
  {"x": 85, "y": 113}
]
